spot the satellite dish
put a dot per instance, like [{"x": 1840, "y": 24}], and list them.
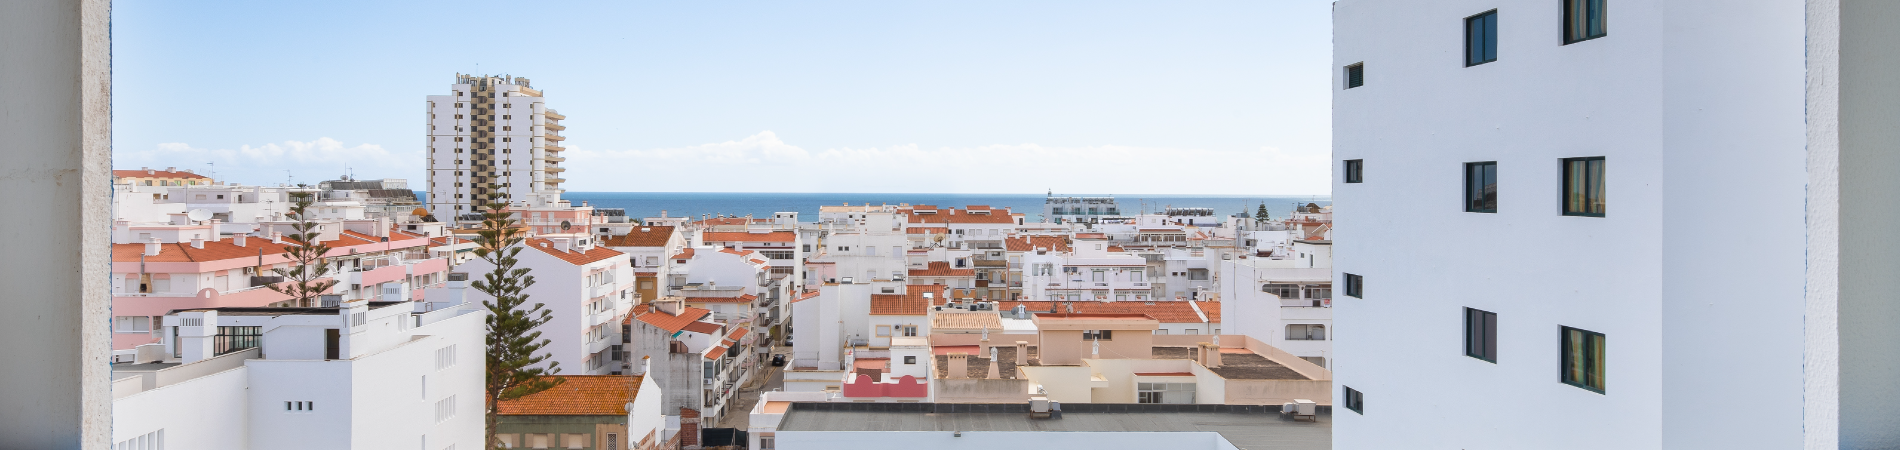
[
  {"x": 565, "y": 225},
  {"x": 198, "y": 215}
]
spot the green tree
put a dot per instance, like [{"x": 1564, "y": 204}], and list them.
[
  {"x": 1260, "y": 215},
  {"x": 304, "y": 279},
  {"x": 514, "y": 347}
]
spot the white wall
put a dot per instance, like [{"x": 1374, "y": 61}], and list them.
[
  {"x": 217, "y": 405},
  {"x": 1696, "y": 107}
]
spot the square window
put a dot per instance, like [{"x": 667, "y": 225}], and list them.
[
  {"x": 1582, "y": 358},
  {"x": 1355, "y": 75},
  {"x": 1355, "y": 170},
  {"x": 1584, "y": 187},
  {"x": 910, "y": 360},
  {"x": 1481, "y": 334},
  {"x": 1584, "y": 20},
  {"x": 1481, "y": 38},
  {"x": 1355, "y": 400},
  {"x": 883, "y": 331},
  {"x": 1481, "y": 187},
  {"x": 1355, "y": 286}
]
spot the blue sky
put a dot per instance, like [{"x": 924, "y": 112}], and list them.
[{"x": 734, "y": 96}]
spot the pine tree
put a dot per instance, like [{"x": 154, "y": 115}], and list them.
[
  {"x": 513, "y": 350},
  {"x": 304, "y": 278},
  {"x": 1260, "y": 215}
]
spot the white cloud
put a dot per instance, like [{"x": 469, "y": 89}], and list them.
[
  {"x": 306, "y": 161},
  {"x": 765, "y": 163}
]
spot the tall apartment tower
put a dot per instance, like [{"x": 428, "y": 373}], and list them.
[
  {"x": 491, "y": 131},
  {"x": 1616, "y": 224}
]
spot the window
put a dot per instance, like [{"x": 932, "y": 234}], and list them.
[
  {"x": 613, "y": 441},
  {"x": 910, "y": 360},
  {"x": 1584, "y": 20},
  {"x": 1306, "y": 332},
  {"x": 1583, "y": 187},
  {"x": 1164, "y": 393},
  {"x": 1318, "y": 291},
  {"x": 1355, "y": 75},
  {"x": 1481, "y": 38},
  {"x": 1481, "y": 187},
  {"x": 1098, "y": 335},
  {"x": 1481, "y": 334},
  {"x": 132, "y": 324},
  {"x": 1284, "y": 291},
  {"x": 574, "y": 440},
  {"x": 1355, "y": 400},
  {"x": 445, "y": 357},
  {"x": 883, "y": 331},
  {"x": 1355, "y": 286},
  {"x": 768, "y": 443},
  {"x": 1583, "y": 358},
  {"x": 1355, "y": 170},
  {"x": 300, "y": 406},
  {"x": 1316, "y": 360},
  {"x": 909, "y": 330},
  {"x": 444, "y": 409}
]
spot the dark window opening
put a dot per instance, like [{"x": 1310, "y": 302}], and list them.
[
  {"x": 1584, "y": 187},
  {"x": 1354, "y": 400},
  {"x": 1355, "y": 286},
  {"x": 1584, "y": 20},
  {"x": 1481, "y": 38},
  {"x": 1481, "y": 187},
  {"x": 1355, "y": 170},
  {"x": 1481, "y": 334},
  {"x": 1583, "y": 359},
  {"x": 1355, "y": 75}
]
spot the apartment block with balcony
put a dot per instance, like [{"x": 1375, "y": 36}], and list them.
[
  {"x": 590, "y": 290},
  {"x": 492, "y": 134}
]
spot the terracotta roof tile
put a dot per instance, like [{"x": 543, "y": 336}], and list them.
[
  {"x": 672, "y": 323},
  {"x": 910, "y": 303},
  {"x": 684, "y": 254},
  {"x": 927, "y": 230},
  {"x": 703, "y": 327},
  {"x": 729, "y": 221},
  {"x": 577, "y": 395},
  {"x": 741, "y": 236},
  {"x": 227, "y": 248},
  {"x": 1030, "y": 243},
  {"x": 654, "y": 236},
  {"x": 808, "y": 295},
  {"x": 714, "y": 353},
  {"x": 941, "y": 269},
  {"x": 595, "y": 254}
]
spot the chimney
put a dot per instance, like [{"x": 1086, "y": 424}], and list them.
[
  {"x": 239, "y": 239},
  {"x": 197, "y": 242},
  {"x": 171, "y": 169},
  {"x": 1210, "y": 355},
  {"x": 151, "y": 247},
  {"x": 669, "y": 305},
  {"x": 959, "y": 365},
  {"x": 277, "y": 237},
  {"x": 1022, "y": 353}
]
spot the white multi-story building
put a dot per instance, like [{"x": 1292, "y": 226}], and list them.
[
  {"x": 493, "y": 130},
  {"x": 589, "y": 289},
  {"x": 1729, "y": 285},
  {"x": 363, "y": 375}
]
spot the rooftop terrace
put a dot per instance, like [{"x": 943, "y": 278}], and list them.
[{"x": 1246, "y": 427}]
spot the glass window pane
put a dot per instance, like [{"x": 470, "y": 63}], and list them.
[
  {"x": 1596, "y": 194},
  {"x": 1491, "y": 36}
]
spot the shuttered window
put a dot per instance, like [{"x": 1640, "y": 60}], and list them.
[{"x": 1355, "y": 75}]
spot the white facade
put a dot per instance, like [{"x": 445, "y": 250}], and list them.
[
  {"x": 1694, "y": 273},
  {"x": 398, "y": 380},
  {"x": 588, "y": 288},
  {"x": 491, "y": 130}
]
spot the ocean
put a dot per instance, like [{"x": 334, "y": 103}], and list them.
[{"x": 763, "y": 204}]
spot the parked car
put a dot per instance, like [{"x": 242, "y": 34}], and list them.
[{"x": 778, "y": 360}]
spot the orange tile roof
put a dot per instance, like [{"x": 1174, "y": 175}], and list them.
[
  {"x": 995, "y": 216},
  {"x": 738, "y": 236},
  {"x": 155, "y": 174},
  {"x": 577, "y": 395},
  {"x": 941, "y": 269},
  {"x": 736, "y": 335},
  {"x": 684, "y": 254},
  {"x": 703, "y": 327},
  {"x": 671, "y": 323},
  {"x": 654, "y": 236},
  {"x": 806, "y": 296},
  {"x": 1164, "y": 311},
  {"x": 735, "y": 252},
  {"x": 595, "y": 254},
  {"x": 927, "y": 230},
  {"x": 1030, "y": 243},
  {"x": 227, "y": 248},
  {"x": 730, "y": 221},
  {"x": 714, "y": 353},
  {"x": 909, "y": 303}
]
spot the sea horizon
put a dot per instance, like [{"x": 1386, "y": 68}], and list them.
[{"x": 764, "y": 204}]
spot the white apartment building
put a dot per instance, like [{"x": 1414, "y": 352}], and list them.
[
  {"x": 1728, "y": 285},
  {"x": 365, "y": 375},
  {"x": 1091, "y": 272},
  {"x": 492, "y": 130},
  {"x": 1070, "y": 209},
  {"x": 588, "y": 287}
]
